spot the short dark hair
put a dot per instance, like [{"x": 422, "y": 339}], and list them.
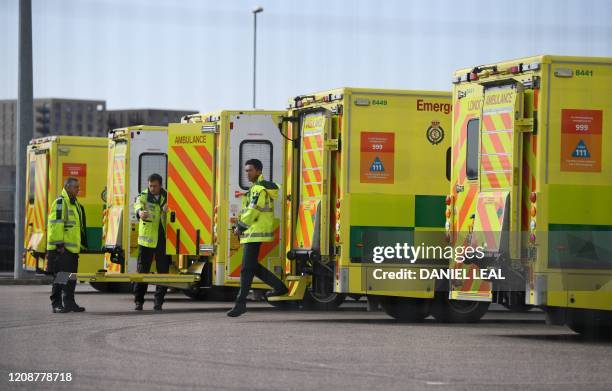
[
  {"x": 255, "y": 163},
  {"x": 155, "y": 178},
  {"x": 70, "y": 181}
]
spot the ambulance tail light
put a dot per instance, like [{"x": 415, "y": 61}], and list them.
[
  {"x": 533, "y": 197},
  {"x": 448, "y": 200}
]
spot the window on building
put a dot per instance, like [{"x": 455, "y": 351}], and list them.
[{"x": 255, "y": 149}]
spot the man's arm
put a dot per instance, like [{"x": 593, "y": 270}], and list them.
[
  {"x": 139, "y": 207},
  {"x": 252, "y": 212},
  {"x": 55, "y": 225}
]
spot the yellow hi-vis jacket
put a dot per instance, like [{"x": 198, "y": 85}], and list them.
[
  {"x": 66, "y": 225},
  {"x": 148, "y": 229},
  {"x": 256, "y": 220}
]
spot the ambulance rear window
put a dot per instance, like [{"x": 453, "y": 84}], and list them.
[
  {"x": 152, "y": 163},
  {"x": 255, "y": 149},
  {"x": 32, "y": 181},
  {"x": 471, "y": 166}
]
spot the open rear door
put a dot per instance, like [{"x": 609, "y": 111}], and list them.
[
  {"x": 487, "y": 213},
  {"x": 191, "y": 150},
  {"x": 497, "y": 219},
  {"x": 115, "y": 197},
  {"x": 311, "y": 236},
  {"x": 36, "y": 204}
]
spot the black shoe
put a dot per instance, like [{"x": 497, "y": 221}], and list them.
[
  {"x": 57, "y": 309},
  {"x": 275, "y": 292},
  {"x": 74, "y": 308},
  {"x": 157, "y": 307},
  {"x": 138, "y": 307},
  {"x": 237, "y": 310}
]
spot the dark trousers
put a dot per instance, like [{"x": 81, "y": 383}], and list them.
[
  {"x": 63, "y": 262},
  {"x": 251, "y": 268},
  {"x": 145, "y": 259}
]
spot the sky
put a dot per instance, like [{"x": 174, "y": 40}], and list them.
[{"x": 198, "y": 54}]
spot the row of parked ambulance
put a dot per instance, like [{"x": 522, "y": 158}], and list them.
[{"x": 516, "y": 160}]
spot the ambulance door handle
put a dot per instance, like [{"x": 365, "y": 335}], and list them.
[{"x": 172, "y": 217}]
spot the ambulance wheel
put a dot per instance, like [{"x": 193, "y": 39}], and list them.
[
  {"x": 122, "y": 287},
  {"x": 457, "y": 311},
  {"x": 317, "y": 302},
  {"x": 196, "y": 294},
  {"x": 591, "y": 324},
  {"x": 222, "y": 293},
  {"x": 405, "y": 309},
  {"x": 518, "y": 307},
  {"x": 285, "y": 305},
  {"x": 103, "y": 287}
]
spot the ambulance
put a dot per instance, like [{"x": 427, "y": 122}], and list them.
[
  {"x": 366, "y": 168},
  {"x": 531, "y": 186},
  {"x": 133, "y": 153},
  {"x": 206, "y": 181},
  {"x": 201, "y": 161},
  {"x": 51, "y": 160}
]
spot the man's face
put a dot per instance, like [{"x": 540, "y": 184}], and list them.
[
  {"x": 154, "y": 187},
  {"x": 73, "y": 189},
  {"x": 252, "y": 173}
]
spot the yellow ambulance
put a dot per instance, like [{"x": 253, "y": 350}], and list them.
[
  {"x": 531, "y": 185},
  {"x": 201, "y": 161},
  {"x": 50, "y": 161},
  {"x": 206, "y": 181},
  {"x": 366, "y": 169}
]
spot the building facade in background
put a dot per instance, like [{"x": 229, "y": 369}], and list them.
[
  {"x": 74, "y": 117},
  {"x": 129, "y": 117}
]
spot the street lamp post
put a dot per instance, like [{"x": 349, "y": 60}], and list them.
[{"x": 255, "y": 12}]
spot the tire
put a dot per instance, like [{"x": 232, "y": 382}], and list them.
[
  {"x": 285, "y": 305},
  {"x": 519, "y": 307},
  {"x": 196, "y": 294},
  {"x": 591, "y": 324},
  {"x": 458, "y": 311},
  {"x": 113, "y": 287},
  {"x": 222, "y": 293},
  {"x": 329, "y": 302},
  {"x": 103, "y": 287},
  {"x": 405, "y": 309},
  {"x": 216, "y": 293},
  {"x": 122, "y": 287}
]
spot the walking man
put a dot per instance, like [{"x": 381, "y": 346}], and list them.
[{"x": 256, "y": 225}]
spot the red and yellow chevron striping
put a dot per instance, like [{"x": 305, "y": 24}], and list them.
[{"x": 190, "y": 190}]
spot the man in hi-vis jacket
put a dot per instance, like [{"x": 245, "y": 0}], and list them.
[{"x": 256, "y": 225}]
